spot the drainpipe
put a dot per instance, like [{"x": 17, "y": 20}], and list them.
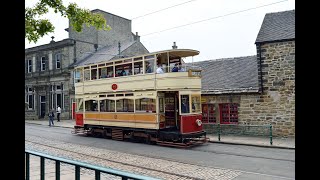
[{"x": 260, "y": 69}]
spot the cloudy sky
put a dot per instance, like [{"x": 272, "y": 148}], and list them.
[{"x": 216, "y": 28}]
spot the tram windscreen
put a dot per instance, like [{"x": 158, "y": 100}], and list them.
[{"x": 185, "y": 104}]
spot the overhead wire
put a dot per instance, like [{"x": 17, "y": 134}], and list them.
[
  {"x": 215, "y": 17},
  {"x": 163, "y": 9}
]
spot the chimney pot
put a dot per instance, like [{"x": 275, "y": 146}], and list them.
[{"x": 174, "y": 46}]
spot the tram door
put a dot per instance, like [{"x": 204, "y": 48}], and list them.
[{"x": 171, "y": 110}]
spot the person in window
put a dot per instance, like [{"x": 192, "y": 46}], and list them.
[
  {"x": 123, "y": 72},
  {"x": 175, "y": 68},
  {"x": 181, "y": 69},
  {"x": 148, "y": 70},
  {"x": 184, "y": 107},
  {"x": 160, "y": 70}
]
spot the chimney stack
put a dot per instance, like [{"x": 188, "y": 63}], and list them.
[
  {"x": 95, "y": 47},
  {"x": 137, "y": 37},
  {"x": 52, "y": 41},
  {"x": 174, "y": 46}
]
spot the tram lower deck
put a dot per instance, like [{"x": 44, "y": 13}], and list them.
[{"x": 171, "y": 118}]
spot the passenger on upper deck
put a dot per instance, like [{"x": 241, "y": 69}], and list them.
[
  {"x": 181, "y": 69},
  {"x": 123, "y": 72},
  {"x": 148, "y": 70},
  {"x": 175, "y": 68},
  {"x": 160, "y": 70}
]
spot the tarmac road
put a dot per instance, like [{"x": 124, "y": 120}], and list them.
[{"x": 252, "y": 162}]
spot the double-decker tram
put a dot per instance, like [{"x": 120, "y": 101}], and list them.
[{"x": 154, "y": 97}]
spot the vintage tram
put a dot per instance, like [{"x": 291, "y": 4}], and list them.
[{"x": 154, "y": 97}]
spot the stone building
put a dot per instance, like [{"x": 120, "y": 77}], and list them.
[
  {"x": 259, "y": 89},
  {"x": 49, "y": 76}
]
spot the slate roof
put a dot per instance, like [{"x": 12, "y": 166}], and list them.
[
  {"x": 229, "y": 75},
  {"x": 104, "y": 54},
  {"x": 277, "y": 26}
]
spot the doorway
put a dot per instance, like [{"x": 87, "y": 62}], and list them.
[
  {"x": 171, "y": 109},
  {"x": 42, "y": 111}
]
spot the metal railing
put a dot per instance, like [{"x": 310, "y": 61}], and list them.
[
  {"x": 98, "y": 169},
  {"x": 240, "y": 130}
]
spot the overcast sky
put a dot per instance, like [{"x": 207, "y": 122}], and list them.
[{"x": 216, "y": 28}]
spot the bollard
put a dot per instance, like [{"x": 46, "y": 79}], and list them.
[
  {"x": 219, "y": 131},
  {"x": 270, "y": 134}
]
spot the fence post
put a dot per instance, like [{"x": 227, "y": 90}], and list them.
[
  {"x": 270, "y": 134},
  {"x": 219, "y": 131}
]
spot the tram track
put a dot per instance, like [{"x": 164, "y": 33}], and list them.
[
  {"x": 198, "y": 150},
  {"x": 173, "y": 160},
  {"x": 150, "y": 170}
]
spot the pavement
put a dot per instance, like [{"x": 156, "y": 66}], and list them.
[{"x": 277, "y": 142}]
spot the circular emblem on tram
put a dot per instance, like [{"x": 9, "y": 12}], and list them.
[
  {"x": 199, "y": 122},
  {"x": 114, "y": 86}
]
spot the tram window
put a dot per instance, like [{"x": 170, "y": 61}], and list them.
[
  {"x": 137, "y": 59},
  {"x": 125, "y": 105},
  {"x": 138, "y": 68},
  {"x": 146, "y": 105},
  {"x": 102, "y": 106},
  {"x": 107, "y": 105},
  {"x": 91, "y": 105},
  {"x": 78, "y": 76},
  {"x": 185, "y": 104},
  {"x": 80, "y": 104},
  {"x": 86, "y": 75},
  {"x": 131, "y": 94},
  {"x": 149, "y": 57},
  {"x": 120, "y": 71},
  {"x": 195, "y": 103},
  {"x": 149, "y": 66},
  {"x": 93, "y": 74},
  {"x": 110, "y": 95},
  {"x": 161, "y": 106},
  {"x": 103, "y": 72},
  {"x": 110, "y": 71}
]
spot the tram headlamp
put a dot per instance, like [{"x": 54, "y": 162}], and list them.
[{"x": 199, "y": 122}]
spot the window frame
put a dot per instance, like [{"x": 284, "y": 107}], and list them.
[
  {"x": 232, "y": 113},
  {"x": 43, "y": 63},
  {"x": 58, "y": 58}
]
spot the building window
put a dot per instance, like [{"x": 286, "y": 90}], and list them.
[
  {"x": 30, "y": 98},
  {"x": 209, "y": 113},
  {"x": 228, "y": 113},
  {"x": 59, "y": 96},
  {"x": 43, "y": 64},
  {"x": 58, "y": 61},
  {"x": 29, "y": 66}
]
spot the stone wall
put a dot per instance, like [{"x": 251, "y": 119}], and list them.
[{"x": 274, "y": 105}]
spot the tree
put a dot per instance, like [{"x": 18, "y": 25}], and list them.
[{"x": 36, "y": 27}]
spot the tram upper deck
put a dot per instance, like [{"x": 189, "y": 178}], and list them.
[{"x": 140, "y": 73}]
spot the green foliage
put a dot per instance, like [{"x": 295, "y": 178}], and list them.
[{"x": 35, "y": 27}]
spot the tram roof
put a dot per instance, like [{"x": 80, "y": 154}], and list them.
[{"x": 172, "y": 53}]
